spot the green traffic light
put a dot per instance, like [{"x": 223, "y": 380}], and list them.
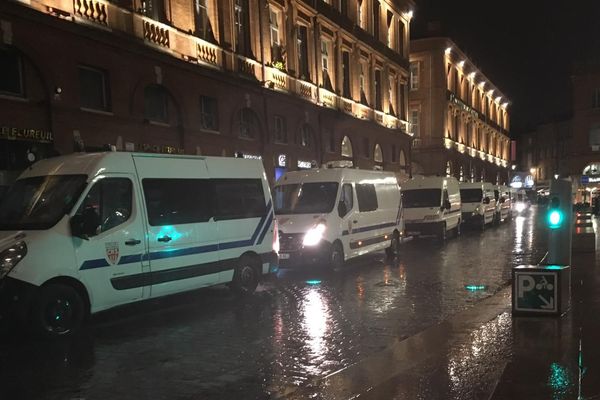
[{"x": 555, "y": 219}]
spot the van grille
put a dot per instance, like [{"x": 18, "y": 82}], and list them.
[{"x": 290, "y": 241}]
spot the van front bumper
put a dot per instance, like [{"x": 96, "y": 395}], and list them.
[
  {"x": 470, "y": 218},
  {"x": 295, "y": 255},
  {"x": 422, "y": 228}
]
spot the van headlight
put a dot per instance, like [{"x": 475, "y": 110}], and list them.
[
  {"x": 520, "y": 207},
  {"x": 10, "y": 257},
  {"x": 477, "y": 210},
  {"x": 314, "y": 235}
]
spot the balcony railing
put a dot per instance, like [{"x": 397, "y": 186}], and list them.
[
  {"x": 186, "y": 46},
  {"x": 92, "y": 10}
]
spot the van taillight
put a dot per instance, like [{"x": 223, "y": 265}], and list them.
[{"x": 275, "y": 237}]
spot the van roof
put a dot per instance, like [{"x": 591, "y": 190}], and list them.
[
  {"x": 92, "y": 164},
  {"x": 428, "y": 181},
  {"x": 333, "y": 175}
]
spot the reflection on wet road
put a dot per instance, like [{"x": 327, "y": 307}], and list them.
[{"x": 298, "y": 327}]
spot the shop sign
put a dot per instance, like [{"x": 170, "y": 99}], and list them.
[
  {"x": 304, "y": 164},
  {"x": 282, "y": 160},
  {"x": 29, "y": 135},
  {"x": 252, "y": 157}
]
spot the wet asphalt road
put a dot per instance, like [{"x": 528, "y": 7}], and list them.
[{"x": 299, "y": 326}]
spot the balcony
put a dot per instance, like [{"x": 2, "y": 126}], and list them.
[{"x": 185, "y": 46}]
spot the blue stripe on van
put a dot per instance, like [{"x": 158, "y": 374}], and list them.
[
  {"x": 265, "y": 229},
  {"x": 369, "y": 228},
  {"x": 158, "y": 255}
]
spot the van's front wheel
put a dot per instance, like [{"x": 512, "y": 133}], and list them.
[
  {"x": 245, "y": 277},
  {"x": 58, "y": 310},
  {"x": 336, "y": 256}
]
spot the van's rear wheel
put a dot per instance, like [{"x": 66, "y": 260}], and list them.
[
  {"x": 336, "y": 256},
  {"x": 58, "y": 310},
  {"x": 245, "y": 277},
  {"x": 394, "y": 250}
]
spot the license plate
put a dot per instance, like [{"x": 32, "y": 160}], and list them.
[{"x": 284, "y": 256}]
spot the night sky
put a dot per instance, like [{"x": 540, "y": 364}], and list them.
[{"x": 527, "y": 48}]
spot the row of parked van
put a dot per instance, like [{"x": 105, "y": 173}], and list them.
[
  {"x": 84, "y": 233},
  {"x": 328, "y": 216}
]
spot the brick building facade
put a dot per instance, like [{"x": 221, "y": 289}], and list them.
[
  {"x": 297, "y": 83},
  {"x": 460, "y": 119}
]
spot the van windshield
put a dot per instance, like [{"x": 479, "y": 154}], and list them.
[
  {"x": 417, "y": 198},
  {"x": 39, "y": 202},
  {"x": 471, "y": 195},
  {"x": 305, "y": 198}
]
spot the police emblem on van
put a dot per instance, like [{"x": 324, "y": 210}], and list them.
[{"x": 112, "y": 252}]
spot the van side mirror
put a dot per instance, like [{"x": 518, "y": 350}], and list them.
[
  {"x": 486, "y": 200},
  {"x": 85, "y": 225},
  {"x": 447, "y": 204},
  {"x": 342, "y": 209}
]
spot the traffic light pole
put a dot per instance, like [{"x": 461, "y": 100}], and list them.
[{"x": 559, "y": 219}]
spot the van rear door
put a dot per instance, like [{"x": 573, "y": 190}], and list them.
[{"x": 182, "y": 239}]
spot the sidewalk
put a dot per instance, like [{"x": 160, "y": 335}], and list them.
[
  {"x": 485, "y": 353},
  {"x": 545, "y": 353}
]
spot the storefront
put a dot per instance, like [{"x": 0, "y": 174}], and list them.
[{"x": 19, "y": 148}]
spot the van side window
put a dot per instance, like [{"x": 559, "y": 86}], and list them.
[
  {"x": 108, "y": 202},
  {"x": 239, "y": 198},
  {"x": 347, "y": 198},
  {"x": 177, "y": 201},
  {"x": 367, "y": 198}
]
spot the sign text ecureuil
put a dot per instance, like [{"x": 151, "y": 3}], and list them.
[{"x": 29, "y": 135}]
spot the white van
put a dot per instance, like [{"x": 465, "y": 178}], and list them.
[
  {"x": 332, "y": 215},
  {"x": 502, "y": 196},
  {"x": 87, "y": 232},
  {"x": 431, "y": 206},
  {"x": 478, "y": 203}
]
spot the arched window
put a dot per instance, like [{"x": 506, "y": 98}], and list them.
[
  {"x": 402, "y": 159},
  {"x": 377, "y": 154},
  {"x": 247, "y": 123},
  {"x": 448, "y": 168},
  {"x": 156, "y": 103},
  {"x": 306, "y": 136},
  {"x": 347, "y": 147}
]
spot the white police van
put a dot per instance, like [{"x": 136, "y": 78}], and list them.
[
  {"x": 330, "y": 215},
  {"x": 432, "y": 206},
  {"x": 478, "y": 203},
  {"x": 87, "y": 232}
]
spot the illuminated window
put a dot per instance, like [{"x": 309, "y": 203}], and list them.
[
  {"x": 346, "y": 74},
  {"x": 347, "y": 147},
  {"x": 277, "y": 49},
  {"x": 302, "y": 42},
  {"x": 154, "y": 9},
  {"x": 414, "y": 122},
  {"x": 378, "y": 91},
  {"x": 360, "y": 14},
  {"x": 414, "y": 75},
  {"x": 203, "y": 28},
  {"x": 364, "y": 70},
  {"x": 376, "y": 18},
  {"x": 326, "y": 64},
  {"x": 241, "y": 21},
  {"x": 378, "y": 154}
]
